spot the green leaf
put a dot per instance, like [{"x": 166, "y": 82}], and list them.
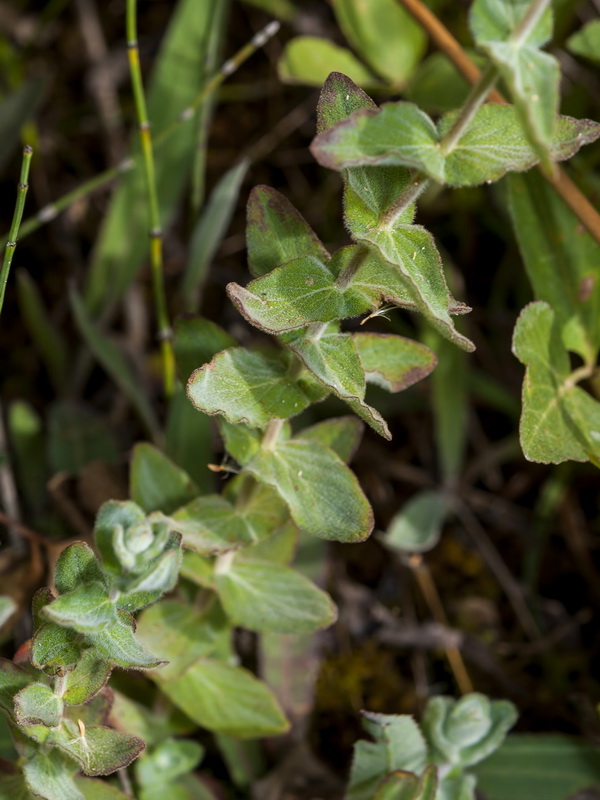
[
  {"x": 277, "y": 233},
  {"x": 46, "y": 335},
  {"x": 261, "y": 506},
  {"x": 539, "y": 767},
  {"x": 99, "y": 790},
  {"x": 279, "y": 548},
  {"x": 267, "y": 597},
  {"x": 251, "y": 387},
  {"x": 333, "y": 359},
  {"x": 341, "y": 434},
  {"x": 28, "y": 445},
  {"x": 150, "y": 726},
  {"x": 300, "y": 292},
  {"x": 398, "y": 745},
  {"x": 196, "y": 341},
  {"x": 156, "y": 483},
  {"x": 114, "y": 521},
  {"x": 436, "y": 85},
  {"x": 402, "y": 785},
  {"x": 210, "y": 524},
  {"x": 384, "y": 34},
  {"x": 282, "y": 9},
  {"x": 178, "y": 633},
  {"x": 418, "y": 525},
  {"x": 198, "y": 569},
  {"x": 77, "y": 565},
  {"x": 12, "y": 783},
  {"x": 160, "y": 577},
  {"x": 561, "y": 261},
  {"x": 15, "y": 109},
  {"x": 76, "y": 437},
  {"x": 393, "y": 362},
  {"x": 209, "y": 231},
  {"x": 187, "y": 434},
  {"x": 532, "y": 77},
  {"x": 188, "y": 58},
  {"x": 115, "y": 363},
  {"x": 241, "y": 442},
  {"x": 119, "y": 645},
  {"x": 227, "y": 699},
  {"x": 339, "y": 98},
  {"x": 99, "y": 751},
  {"x": 586, "y": 41},
  {"x": 87, "y": 679},
  {"x": 308, "y": 60},
  {"x": 400, "y": 134},
  {"x": 168, "y": 761},
  {"x": 463, "y": 732},
  {"x": 37, "y": 704},
  {"x": 323, "y": 495},
  {"x": 85, "y": 609},
  {"x": 50, "y": 776},
  {"x": 55, "y": 648},
  {"x": 559, "y": 421}
]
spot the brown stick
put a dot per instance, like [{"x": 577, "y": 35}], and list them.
[{"x": 560, "y": 181}]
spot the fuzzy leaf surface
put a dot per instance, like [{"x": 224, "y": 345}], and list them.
[
  {"x": 562, "y": 261},
  {"x": 272, "y": 598},
  {"x": 12, "y": 680},
  {"x": 323, "y": 495},
  {"x": 464, "y": 732},
  {"x": 178, "y": 633},
  {"x": 119, "y": 645},
  {"x": 37, "y": 704},
  {"x": 55, "y": 648},
  {"x": 211, "y": 524},
  {"x": 87, "y": 679},
  {"x": 402, "y": 135},
  {"x": 161, "y": 577},
  {"x": 101, "y": 751},
  {"x": 277, "y": 233},
  {"x": 341, "y": 434},
  {"x": 50, "y": 776},
  {"x": 86, "y": 609},
  {"x": 333, "y": 359},
  {"x": 393, "y": 362},
  {"x": 398, "y": 745},
  {"x": 250, "y": 387},
  {"x": 339, "y": 98},
  {"x": 560, "y": 420},
  {"x": 400, "y": 785},
  {"x": 156, "y": 483},
  {"x": 77, "y": 565},
  {"x": 227, "y": 699}
]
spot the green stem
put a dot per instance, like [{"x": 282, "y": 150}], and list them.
[
  {"x": 50, "y": 211},
  {"x": 60, "y": 685},
  {"x": 476, "y": 98},
  {"x": 346, "y": 276},
  {"x": 272, "y": 434},
  {"x": 11, "y": 244},
  {"x": 529, "y": 21},
  {"x": 156, "y": 237}
]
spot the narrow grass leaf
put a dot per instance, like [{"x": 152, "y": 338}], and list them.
[
  {"x": 114, "y": 362},
  {"x": 209, "y": 231}
]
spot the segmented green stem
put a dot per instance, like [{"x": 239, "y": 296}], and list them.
[
  {"x": 52, "y": 210},
  {"x": 156, "y": 237},
  {"x": 11, "y": 244}
]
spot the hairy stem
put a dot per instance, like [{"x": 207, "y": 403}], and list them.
[
  {"x": 156, "y": 238},
  {"x": 272, "y": 434},
  {"x": 11, "y": 244}
]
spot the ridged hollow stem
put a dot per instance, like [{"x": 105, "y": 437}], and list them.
[
  {"x": 52, "y": 210},
  {"x": 156, "y": 237},
  {"x": 11, "y": 244},
  {"x": 562, "y": 184}
]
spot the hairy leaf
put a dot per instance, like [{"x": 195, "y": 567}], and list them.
[
  {"x": 55, "y": 648},
  {"x": 87, "y": 679},
  {"x": 560, "y": 420},
  {"x": 267, "y": 597},
  {"x": 227, "y": 699},
  {"x": 339, "y": 97},
  {"x": 98, "y": 750},
  {"x": 77, "y": 565},
  {"x": 251, "y": 387},
  {"x": 85, "y": 609},
  {"x": 323, "y": 495},
  {"x": 393, "y": 362},
  {"x": 400, "y": 785},
  {"x": 37, "y": 704},
  {"x": 50, "y": 776},
  {"x": 211, "y": 524},
  {"x": 341, "y": 434},
  {"x": 196, "y": 341},
  {"x": 277, "y": 233},
  {"x": 119, "y": 645}
]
